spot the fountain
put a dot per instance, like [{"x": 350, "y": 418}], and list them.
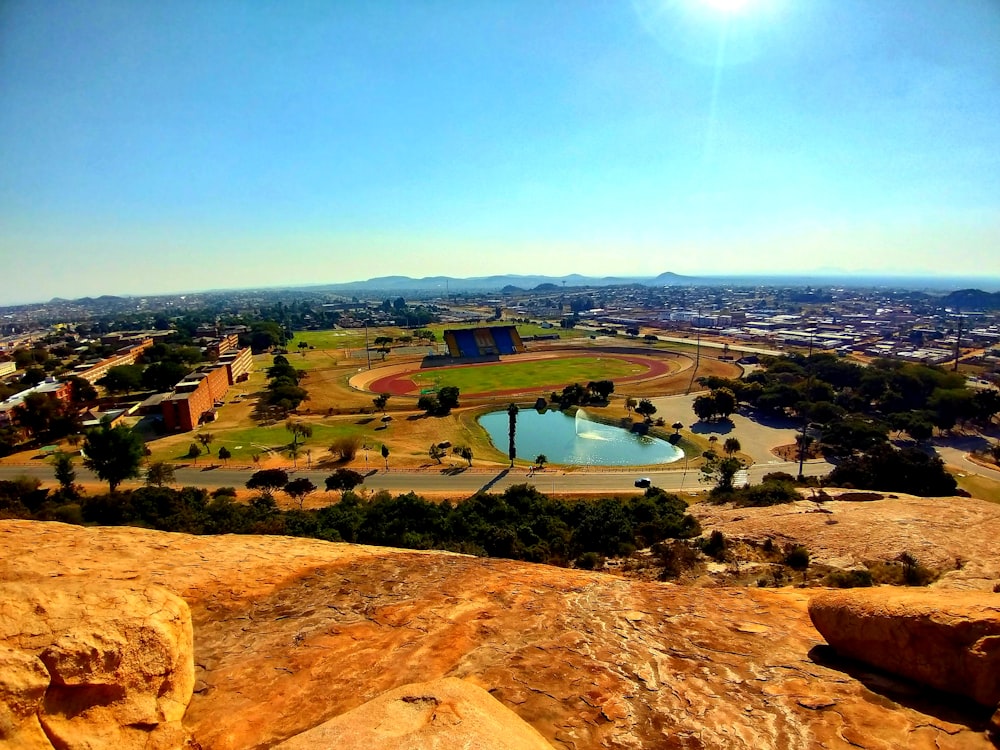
[{"x": 577, "y": 440}]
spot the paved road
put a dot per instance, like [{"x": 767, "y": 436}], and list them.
[{"x": 466, "y": 482}]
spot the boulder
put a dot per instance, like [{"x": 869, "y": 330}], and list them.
[
  {"x": 84, "y": 666},
  {"x": 442, "y": 713},
  {"x": 946, "y": 640}
]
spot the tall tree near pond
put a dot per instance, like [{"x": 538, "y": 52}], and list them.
[{"x": 511, "y": 431}]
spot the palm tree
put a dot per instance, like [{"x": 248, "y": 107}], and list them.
[
  {"x": 731, "y": 446},
  {"x": 803, "y": 441},
  {"x": 511, "y": 429}
]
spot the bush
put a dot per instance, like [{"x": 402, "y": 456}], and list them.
[
  {"x": 778, "y": 476},
  {"x": 715, "y": 546},
  {"x": 848, "y": 579},
  {"x": 345, "y": 448},
  {"x": 677, "y": 557},
  {"x": 590, "y": 561},
  {"x": 797, "y": 558}
]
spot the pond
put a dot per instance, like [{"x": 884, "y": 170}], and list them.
[{"x": 576, "y": 440}]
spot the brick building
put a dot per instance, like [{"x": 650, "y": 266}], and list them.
[
  {"x": 127, "y": 355},
  {"x": 195, "y": 397},
  {"x": 238, "y": 363}
]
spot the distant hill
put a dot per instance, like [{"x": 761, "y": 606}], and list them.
[
  {"x": 972, "y": 299},
  {"x": 510, "y": 283}
]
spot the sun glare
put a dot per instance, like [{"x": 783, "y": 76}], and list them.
[{"x": 727, "y": 6}]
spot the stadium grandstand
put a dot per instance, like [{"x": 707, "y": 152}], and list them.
[{"x": 490, "y": 341}]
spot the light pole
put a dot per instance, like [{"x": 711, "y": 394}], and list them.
[{"x": 368, "y": 352}]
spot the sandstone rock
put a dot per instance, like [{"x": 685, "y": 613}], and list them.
[
  {"x": 291, "y": 633},
  {"x": 949, "y": 641},
  {"x": 955, "y": 536},
  {"x": 446, "y": 713},
  {"x": 23, "y": 681},
  {"x": 87, "y": 666}
]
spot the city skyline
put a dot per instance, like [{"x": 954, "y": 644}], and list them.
[{"x": 148, "y": 150}]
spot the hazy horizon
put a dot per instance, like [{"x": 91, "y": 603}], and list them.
[
  {"x": 154, "y": 148},
  {"x": 912, "y": 282}
]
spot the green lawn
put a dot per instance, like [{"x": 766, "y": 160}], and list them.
[
  {"x": 980, "y": 487},
  {"x": 528, "y": 375},
  {"x": 244, "y": 442}
]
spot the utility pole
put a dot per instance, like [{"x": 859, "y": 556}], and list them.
[
  {"x": 368, "y": 352},
  {"x": 958, "y": 343}
]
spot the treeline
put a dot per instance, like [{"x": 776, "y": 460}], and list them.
[
  {"x": 856, "y": 407},
  {"x": 521, "y": 523}
]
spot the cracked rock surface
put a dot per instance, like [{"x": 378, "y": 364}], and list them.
[
  {"x": 88, "y": 664},
  {"x": 292, "y": 633}
]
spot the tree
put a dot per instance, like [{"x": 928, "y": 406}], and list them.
[
  {"x": 38, "y": 414},
  {"x": 297, "y": 489},
  {"x": 646, "y": 409},
  {"x": 511, "y": 431},
  {"x": 224, "y": 454},
  {"x": 677, "y": 427},
  {"x": 343, "y": 480},
  {"x": 722, "y": 471},
  {"x": 112, "y": 453},
  {"x": 206, "y": 438},
  {"x": 300, "y": 432},
  {"x": 193, "y": 452},
  {"x": 380, "y": 401},
  {"x": 725, "y": 402},
  {"x": 65, "y": 473},
  {"x": 122, "y": 379},
  {"x": 385, "y": 455},
  {"x": 731, "y": 446},
  {"x": 435, "y": 452},
  {"x": 704, "y": 407},
  {"x": 630, "y": 404},
  {"x": 162, "y": 376},
  {"x": 267, "y": 481},
  {"x": 803, "y": 442},
  {"x": 466, "y": 453},
  {"x": 540, "y": 460},
  {"x": 159, "y": 473},
  {"x": 448, "y": 398},
  {"x": 81, "y": 391},
  {"x": 602, "y": 389},
  {"x": 428, "y": 404}
]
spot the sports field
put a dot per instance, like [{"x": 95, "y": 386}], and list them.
[{"x": 534, "y": 374}]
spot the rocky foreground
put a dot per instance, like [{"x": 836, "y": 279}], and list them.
[{"x": 293, "y": 636}]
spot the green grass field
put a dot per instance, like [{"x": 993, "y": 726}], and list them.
[
  {"x": 979, "y": 487},
  {"x": 244, "y": 442},
  {"x": 529, "y": 375}
]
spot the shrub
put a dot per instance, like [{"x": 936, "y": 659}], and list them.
[
  {"x": 677, "y": 557},
  {"x": 345, "y": 448},
  {"x": 715, "y": 546},
  {"x": 848, "y": 579},
  {"x": 778, "y": 476},
  {"x": 590, "y": 561},
  {"x": 797, "y": 558}
]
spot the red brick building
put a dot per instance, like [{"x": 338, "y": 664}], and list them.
[{"x": 194, "y": 397}]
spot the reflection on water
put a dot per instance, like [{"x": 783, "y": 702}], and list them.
[{"x": 577, "y": 440}]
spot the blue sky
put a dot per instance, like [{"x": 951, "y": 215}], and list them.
[{"x": 153, "y": 147}]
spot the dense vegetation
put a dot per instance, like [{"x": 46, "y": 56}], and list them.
[
  {"x": 852, "y": 410},
  {"x": 521, "y": 523}
]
